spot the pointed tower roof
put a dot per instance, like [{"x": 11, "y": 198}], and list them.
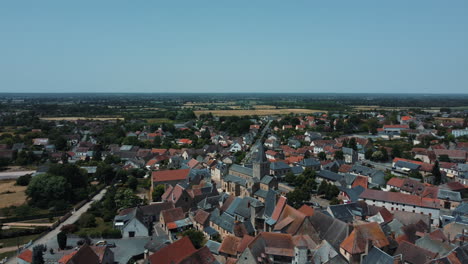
[{"x": 259, "y": 155}]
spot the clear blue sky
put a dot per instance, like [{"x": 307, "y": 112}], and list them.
[{"x": 234, "y": 46}]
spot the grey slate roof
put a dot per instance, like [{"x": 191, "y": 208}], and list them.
[
  {"x": 297, "y": 170},
  {"x": 461, "y": 209},
  {"x": 449, "y": 195},
  {"x": 261, "y": 193},
  {"x": 241, "y": 169},
  {"x": 310, "y": 162},
  {"x": 377, "y": 256},
  {"x": 235, "y": 179},
  {"x": 329, "y": 175},
  {"x": 353, "y": 193},
  {"x": 409, "y": 165},
  {"x": 213, "y": 246},
  {"x": 266, "y": 179},
  {"x": 279, "y": 165}
]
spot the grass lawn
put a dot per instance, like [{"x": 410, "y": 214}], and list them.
[
  {"x": 7, "y": 254},
  {"x": 159, "y": 120},
  {"x": 101, "y": 226},
  {"x": 21, "y": 240}
]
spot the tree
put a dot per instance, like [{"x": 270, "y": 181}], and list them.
[
  {"x": 322, "y": 156},
  {"x": 132, "y": 183},
  {"x": 352, "y": 144},
  {"x": 332, "y": 192},
  {"x": 62, "y": 240},
  {"x": 47, "y": 188},
  {"x": 339, "y": 155},
  {"x": 125, "y": 198},
  {"x": 158, "y": 192},
  {"x": 197, "y": 237},
  {"x": 436, "y": 173},
  {"x": 368, "y": 154},
  {"x": 289, "y": 177},
  {"x": 4, "y": 162},
  {"x": 323, "y": 188},
  {"x": 105, "y": 173},
  {"x": 38, "y": 254},
  {"x": 24, "y": 180}
]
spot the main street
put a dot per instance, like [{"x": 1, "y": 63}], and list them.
[{"x": 259, "y": 141}]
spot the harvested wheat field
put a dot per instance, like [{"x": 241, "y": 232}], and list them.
[
  {"x": 10, "y": 194},
  {"x": 74, "y": 118},
  {"x": 260, "y": 112}
]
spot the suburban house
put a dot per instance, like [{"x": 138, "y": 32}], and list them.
[
  {"x": 131, "y": 223},
  {"x": 361, "y": 238}
]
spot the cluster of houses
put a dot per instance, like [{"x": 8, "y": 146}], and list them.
[{"x": 244, "y": 215}]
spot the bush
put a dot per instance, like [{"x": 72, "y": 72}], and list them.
[
  {"x": 95, "y": 234},
  {"x": 69, "y": 228},
  {"x": 111, "y": 233},
  {"x": 87, "y": 220},
  {"x": 24, "y": 180}
]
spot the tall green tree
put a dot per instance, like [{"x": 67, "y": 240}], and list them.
[
  {"x": 436, "y": 173},
  {"x": 62, "y": 240},
  {"x": 38, "y": 254}
]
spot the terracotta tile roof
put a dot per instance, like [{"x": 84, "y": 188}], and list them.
[
  {"x": 66, "y": 258},
  {"x": 192, "y": 163},
  {"x": 158, "y": 151},
  {"x": 307, "y": 210},
  {"x": 414, "y": 254},
  {"x": 227, "y": 203},
  {"x": 438, "y": 234},
  {"x": 401, "y": 198},
  {"x": 174, "y": 214},
  {"x": 26, "y": 255},
  {"x": 396, "y": 126},
  {"x": 452, "y": 153},
  {"x": 201, "y": 217},
  {"x": 290, "y": 220},
  {"x": 355, "y": 243},
  {"x": 173, "y": 253},
  {"x": 360, "y": 181},
  {"x": 185, "y": 141},
  {"x": 244, "y": 243},
  {"x": 345, "y": 168},
  {"x": 279, "y": 208},
  {"x": 396, "y": 182},
  {"x": 83, "y": 255},
  {"x": 170, "y": 175},
  {"x": 294, "y": 159},
  {"x": 276, "y": 243},
  {"x": 201, "y": 256},
  {"x": 229, "y": 245}
]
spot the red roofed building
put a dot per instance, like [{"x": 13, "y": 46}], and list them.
[
  {"x": 357, "y": 242},
  {"x": 360, "y": 181},
  {"x": 25, "y": 257},
  {"x": 395, "y": 201},
  {"x": 83, "y": 255},
  {"x": 171, "y": 177},
  {"x": 184, "y": 141},
  {"x": 173, "y": 253}
]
